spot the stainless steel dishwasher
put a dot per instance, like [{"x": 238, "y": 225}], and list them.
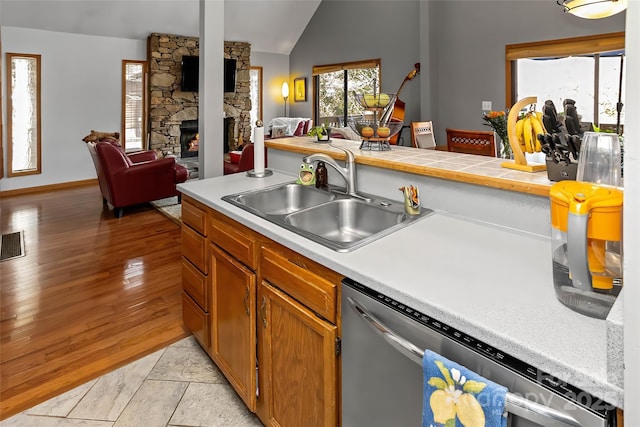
[{"x": 382, "y": 346}]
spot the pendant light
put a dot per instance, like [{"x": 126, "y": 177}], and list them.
[{"x": 593, "y": 9}]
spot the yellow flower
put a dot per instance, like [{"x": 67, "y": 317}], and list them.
[{"x": 454, "y": 398}]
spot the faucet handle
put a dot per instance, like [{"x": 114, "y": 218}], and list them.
[{"x": 349, "y": 153}]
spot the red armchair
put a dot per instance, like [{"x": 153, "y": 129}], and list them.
[
  {"x": 245, "y": 162},
  {"x": 125, "y": 183}
]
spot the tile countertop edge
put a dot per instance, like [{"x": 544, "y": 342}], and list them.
[
  {"x": 593, "y": 381},
  {"x": 508, "y": 180}
]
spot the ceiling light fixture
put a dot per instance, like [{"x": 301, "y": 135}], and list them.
[{"x": 593, "y": 9}]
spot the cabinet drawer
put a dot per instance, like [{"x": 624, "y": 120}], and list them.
[
  {"x": 194, "y": 248},
  {"x": 194, "y": 215},
  {"x": 312, "y": 284},
  {"x": 195, "y": 320},
  {"x": 234, "y": 238},
  {"x": 194, "y": 283}
]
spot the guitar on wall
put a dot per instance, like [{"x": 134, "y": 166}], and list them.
[{"x": 398, "y": 106}]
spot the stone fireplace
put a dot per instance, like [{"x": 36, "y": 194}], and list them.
[{"x": 170, "y": 108}]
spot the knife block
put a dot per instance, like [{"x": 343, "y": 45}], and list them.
[{"x": 557, "y": 172}]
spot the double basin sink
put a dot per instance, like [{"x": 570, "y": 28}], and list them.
[{"x": 338, "y": 221}]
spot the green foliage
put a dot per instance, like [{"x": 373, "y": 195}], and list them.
[
  {"x": 438, "y": 383},
  {"x": 474, "y": 387},
  {"x": 332, "y": 91},
  {"x": 317, "y": 131}
]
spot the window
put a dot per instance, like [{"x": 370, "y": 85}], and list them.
[
  {"x": 585, "y": 69},
  {"x": 134, "y": 83},
  {"x": 335, "y": 86},
  {"x": 255, "y": 114},
  {"x": 23, "y": 114}
]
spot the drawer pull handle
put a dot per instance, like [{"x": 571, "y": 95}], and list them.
[
  {"x": 246, "y": 300},
  {"x": 263, "y": 308},
  {"x": 297, "y": 262}
]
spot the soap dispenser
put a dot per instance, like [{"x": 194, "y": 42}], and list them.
[{"x": 322, "y": 181}]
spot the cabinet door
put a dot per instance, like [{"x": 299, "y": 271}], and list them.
[
  {"x": 299, "y": 356},
  {"x": 233, "y": 323}
]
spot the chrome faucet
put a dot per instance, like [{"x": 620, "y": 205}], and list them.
[{"x": 348, "y": 172}]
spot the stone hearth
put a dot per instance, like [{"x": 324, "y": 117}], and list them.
[{"x": 192, "y": 164}]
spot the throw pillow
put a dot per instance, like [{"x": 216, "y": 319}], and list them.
[
  {"x": 307, "y": 126},
  {"x": 300, "y": 129},
  {"x": 279, "y": 131},
  {"x": 234, "y": 156},
  {"x": 347, "y": 133}
]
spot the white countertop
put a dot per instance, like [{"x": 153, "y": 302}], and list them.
[{"x": 490, "y": 282}]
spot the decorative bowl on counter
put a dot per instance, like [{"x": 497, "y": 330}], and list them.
[
  {"x": 368, "y": 129},
  {"x": 377, "y": 100}
]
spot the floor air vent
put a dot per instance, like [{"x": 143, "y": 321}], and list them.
[{"x": 12, "y": 246}]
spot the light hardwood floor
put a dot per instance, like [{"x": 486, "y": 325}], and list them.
[{"x": 92, "y": 293}]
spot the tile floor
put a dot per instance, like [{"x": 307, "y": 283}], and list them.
[{"x": 176, "y": 386}]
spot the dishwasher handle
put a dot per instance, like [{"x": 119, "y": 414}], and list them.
[{"x": 514, "y": 404}]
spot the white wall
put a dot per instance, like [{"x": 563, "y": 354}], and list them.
[
  {"x": 81, "y": 90},
  {"x": 275, "y": 70}
]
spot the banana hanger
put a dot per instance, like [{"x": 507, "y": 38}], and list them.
[{"x": 520, "y": 161}]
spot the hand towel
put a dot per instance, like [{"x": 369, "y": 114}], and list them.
[{"x": 455, "y": 396}]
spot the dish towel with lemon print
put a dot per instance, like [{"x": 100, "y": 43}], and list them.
[{"x": 454, "y": 396}]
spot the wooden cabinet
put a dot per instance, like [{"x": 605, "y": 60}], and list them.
[
  {"x": 298, "y": 365},
  {"x": 233, "y": 323},
  {"x": 298, "y": 340},
  {"x": 195, "y": 295},
  {"x": 233, "y": 261},
  {"x": 253, "y": 303},
  {"x": 312, "y": 284}
]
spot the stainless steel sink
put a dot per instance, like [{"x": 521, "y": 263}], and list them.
[
  {"x": 345, "y": 220},
  {"x": 283, "y": 199},
  {"x": 336, "y": 220}
]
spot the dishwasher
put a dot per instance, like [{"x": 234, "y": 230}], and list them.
[{"x": 383, "y": 342}]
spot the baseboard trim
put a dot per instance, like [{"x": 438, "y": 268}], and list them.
[{"x": 50, "y": 187}]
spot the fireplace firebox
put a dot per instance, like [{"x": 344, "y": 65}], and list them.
[{"x": 189, "y": 138}]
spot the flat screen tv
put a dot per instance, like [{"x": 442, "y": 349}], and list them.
[
  {"x": 190, "y": 69},
  {"x": 229, "y": 75}
]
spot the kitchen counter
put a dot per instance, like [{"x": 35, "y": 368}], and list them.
[
  {"x": 461, "y": 272},
  {"x": 473, "y": 169}
]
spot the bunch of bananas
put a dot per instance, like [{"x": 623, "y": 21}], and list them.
[{"x": 527, "y": 130}]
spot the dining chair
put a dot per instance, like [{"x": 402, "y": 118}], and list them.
[
  {"x": 471, "y": 142},
  {"x": 422, "y": 135}
]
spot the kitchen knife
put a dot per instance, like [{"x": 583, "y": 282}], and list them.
[
  {"x": 548, "y": 123},
  {"x": 571, "y": 143}
]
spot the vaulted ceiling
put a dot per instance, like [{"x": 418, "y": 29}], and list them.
[{"x": 268, "y": 25}]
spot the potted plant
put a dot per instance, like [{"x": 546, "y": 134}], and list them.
[{"x": 321, "y": 133}]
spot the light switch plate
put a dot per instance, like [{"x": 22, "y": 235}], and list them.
[{"x": 486, "y": 105}]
